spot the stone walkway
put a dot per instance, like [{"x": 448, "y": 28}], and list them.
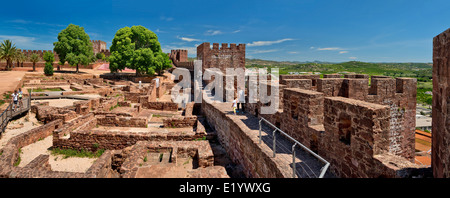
[{"x": 307, "y": 166}]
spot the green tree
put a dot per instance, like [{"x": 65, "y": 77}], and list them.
[
  {"x": 49, "y": 58},
  {"x": 22, "y": 58},
  {"x": 137, "y": 48},
  {"x": 73, "y": 46},
  {"x": 17, "y": 57},
  {"x": 7, "y": 52},
  {"x": 34, "y": 58},
  {"x": 100, "y": 56}
]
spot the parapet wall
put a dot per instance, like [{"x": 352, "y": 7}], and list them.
[
  {"x": 399, "y": 94},
  {"x": 352, "y": 124},
  {"x": 441, "y": 106},
  {"x": 241, "y": 144}
]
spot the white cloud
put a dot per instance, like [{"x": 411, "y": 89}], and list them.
[
  {"x": 21, "y": 21},
  {"x": 343, "y": 52},
  {"x": 188, "y": 39},
  {"x": 263, "y": 51},
  {"x": 236, "y": 31},
  {"x": 329, "y": 48},
  {"x": 264, "y": 43},
  {"x": 353, "y": 58},
  {"x": 293, "y": 52},
  {"x": 213, "y": 32},
  {"x": 163, "y": 18},
  {"x": 192, "y": 51},
  {"x": 159, "y": 31},
  {"x": 24, "y": 42}
]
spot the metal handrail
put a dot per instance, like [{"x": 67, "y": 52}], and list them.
[
  {"x": 323, "y": 170},
  {"x": 5, "y": 118}
]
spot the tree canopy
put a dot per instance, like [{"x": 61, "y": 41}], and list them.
[
  {"x": 137, "y": 48},
  {"x": 74, "y": 46},
  {"x": 7, "y": 52}
]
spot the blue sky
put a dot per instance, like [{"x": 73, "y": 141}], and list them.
[{"x": 307, "y": 30}]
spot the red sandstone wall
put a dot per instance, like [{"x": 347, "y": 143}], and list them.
[
  {"x": 399, "y": 94},
  {"x": 242, "y": 145},
  {"x": 304, "y": 116},
  {"x": 441, "y": 105}
]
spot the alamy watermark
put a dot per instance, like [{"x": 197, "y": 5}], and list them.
[{"x": 212, "y": 85}]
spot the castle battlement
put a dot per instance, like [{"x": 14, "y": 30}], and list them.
[
  {"x": 347, "y": 121},
  {"x": 223, "y": 46}
]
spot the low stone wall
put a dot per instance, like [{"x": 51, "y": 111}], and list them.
[
  {"x": 200, "y": 150},
  {"x": 10, "y": 152},
  {"x": 47, "y": 114},
  {"x": 82, "y": 133},
  {"x": 162, "y": 106},
  {"x": 180, "y": 122},
  {"x": 92, "y": 140},
  {"x": 40, "y": 167},
  {"x": 118, "y": 121},
  {"x": 241, "y": 143},
  {"x": 67, "y": 128}
]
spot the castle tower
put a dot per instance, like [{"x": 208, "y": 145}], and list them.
[
  {"x": 98, "y": 46},
  {"x": 223, "y": 57}
]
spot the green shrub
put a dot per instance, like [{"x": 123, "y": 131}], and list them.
[{"x": 48, "y": 69}]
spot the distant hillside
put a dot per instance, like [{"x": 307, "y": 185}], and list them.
[
  {"x": 250, "y": 62},
  {"x": 421, "y": 71},
  {"x": 388, "y": 69}
]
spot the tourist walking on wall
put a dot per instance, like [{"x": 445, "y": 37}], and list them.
[
  {"x": 234, "y": 105},
  {"x": 20, "y": 97},
  {"x": 15, "y": 97},
  {"x": 241, "y": 96}
]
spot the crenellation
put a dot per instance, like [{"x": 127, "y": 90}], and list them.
[
  {"x": 215, "y": 46},
  {"x": 331, "y": 86},
  {"x": 356, "y": 88},
  {"x": 356, "y": 76},
  {"x": 224, "y": 46},
  {"x": 332, "y": 76},
  {"x": 233, "y": 46},
  {"x": 383, "y": 87}
]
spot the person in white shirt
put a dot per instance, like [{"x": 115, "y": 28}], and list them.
[
  {"x": 20, "y": 93},
  {"x": 234, "y": 105},
  {"x": 15, "y": 97},
  {"x": 241, "y": 96}
]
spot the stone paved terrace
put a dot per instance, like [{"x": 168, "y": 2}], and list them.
[{"x": 307, "y": 166}]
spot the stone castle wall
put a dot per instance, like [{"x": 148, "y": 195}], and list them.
[
  {"x": 441, "y": 106},
  {"x": 356, "y": 127}
]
